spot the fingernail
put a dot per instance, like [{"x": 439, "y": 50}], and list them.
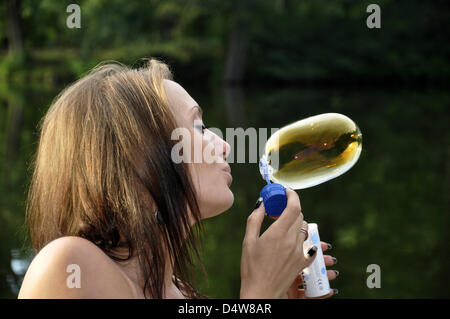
[
  {"x": 312, "y": 251},
  {"x": 329, "y": 246},
  {"x": 335, "y": 291},
  {"x": 337, "y": 272},
  {"x": 258, "y": 203},
  {"x": 334, "y": 260}
]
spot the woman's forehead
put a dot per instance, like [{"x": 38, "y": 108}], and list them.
[{"x": 178, "y": 98}]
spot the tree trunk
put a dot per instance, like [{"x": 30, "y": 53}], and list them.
[
  {"x": 235, "y": 62},
  {"x": 13, "y": 131},
  {"x": 14, "y": 27},
  {"x": 235, "y": 107}
]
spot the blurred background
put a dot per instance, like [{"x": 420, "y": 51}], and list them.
[{"x": 264, "y": 64}]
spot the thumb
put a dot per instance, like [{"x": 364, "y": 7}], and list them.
[
  {"x": 254, "y": 221},
  {"x": 311, "y": 255}
]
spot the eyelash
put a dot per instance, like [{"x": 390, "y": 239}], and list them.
[{"x": 203, "y": 128}]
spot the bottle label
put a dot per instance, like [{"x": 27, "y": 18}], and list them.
[{"x": 315, "y": 279}]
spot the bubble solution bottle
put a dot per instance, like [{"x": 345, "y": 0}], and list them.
[{"x": 301, "y": 155}]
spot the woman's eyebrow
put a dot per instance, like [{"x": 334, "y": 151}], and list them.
[{"x": 198, "y": 110}]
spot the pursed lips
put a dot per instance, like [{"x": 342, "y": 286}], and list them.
[{"x": 227, "y": 170}]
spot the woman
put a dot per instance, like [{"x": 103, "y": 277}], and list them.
[{"x": 111, "y": 213}]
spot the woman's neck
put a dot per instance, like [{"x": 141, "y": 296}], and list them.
[{"x": 133, "y": 272}]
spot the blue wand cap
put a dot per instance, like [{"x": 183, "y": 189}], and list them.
[{"x": 275, "y": 200}]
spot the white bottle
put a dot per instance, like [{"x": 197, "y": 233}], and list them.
[{"x": 315, "y": 278}]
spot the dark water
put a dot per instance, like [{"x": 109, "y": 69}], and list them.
[{"x": 390, "y": 209}]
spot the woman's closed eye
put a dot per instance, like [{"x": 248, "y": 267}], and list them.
[{"x": 201, "y": 127}]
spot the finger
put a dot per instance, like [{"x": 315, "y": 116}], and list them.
[
  {"x": 292, "y": 291},
  {"x": 299, "y": 280},
  {"x": 301, "y": 236},
  {"x": 301, "y": 293},
  {"x": 297, "y": 226},
  {"x": 310, "y": 256},
  {"x": 325, "y": 246},
  {"x": 291, "y": 212},
  {"x": 330, "y": 294},
  {"x": 254, "y": 221},
  {"x": 329, "y": 261},
  {"x": 332, "y": 274}
]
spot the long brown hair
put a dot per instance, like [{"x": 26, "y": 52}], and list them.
[{"x": 103, "y": 167}]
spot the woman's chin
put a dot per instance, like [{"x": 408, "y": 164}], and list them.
[
  {"x": 230, "y": 199},
  {"x": 226, "y": 201}
]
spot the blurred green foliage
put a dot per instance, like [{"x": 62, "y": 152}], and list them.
[
  {"x": 288, "y": 40},
  {"x": 391, "y": 209}
]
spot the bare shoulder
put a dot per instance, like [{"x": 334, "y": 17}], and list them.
[{"x": 73, "y": 267}]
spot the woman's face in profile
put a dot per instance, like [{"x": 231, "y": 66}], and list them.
[{"x": 210, "y": 174}]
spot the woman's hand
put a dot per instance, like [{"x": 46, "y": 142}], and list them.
[
  {"x": 271, "y": 262},
  {"x": 295, "y": 292}
]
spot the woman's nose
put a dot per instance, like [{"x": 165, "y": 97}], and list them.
[
  {"x": 222, "y": 148},
  {"x": 226, "y": 149}
]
